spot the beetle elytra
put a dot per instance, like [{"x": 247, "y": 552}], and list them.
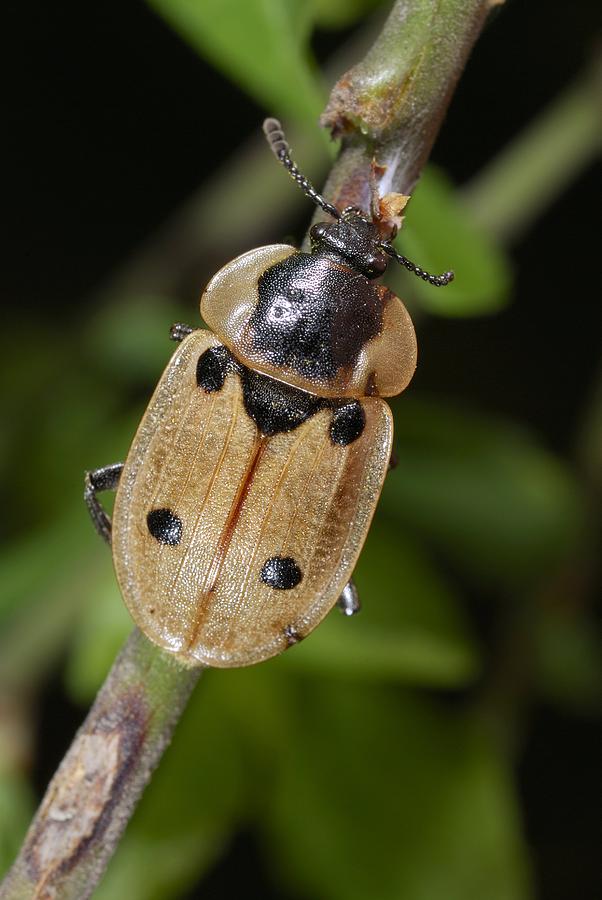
[{"x": 250, "y": 485}]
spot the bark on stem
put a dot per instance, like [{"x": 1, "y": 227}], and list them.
[
  {"x": 388, "y": 110},
  {"x": 96, "y": 788}
]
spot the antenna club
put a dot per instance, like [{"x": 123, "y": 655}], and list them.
[
  {"x": 281, "y": 150},
  {"x": 275, "y": 136}
]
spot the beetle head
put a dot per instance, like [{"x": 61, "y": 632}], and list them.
[{"x": 354, "y": 239}]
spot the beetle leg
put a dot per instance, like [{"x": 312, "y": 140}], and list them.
[
  {"x": 179, "y": 331},
  {"x": 393, "y": 460},
  {"x": 349, "y": 601},
  {"x": 103, "y": 479}
]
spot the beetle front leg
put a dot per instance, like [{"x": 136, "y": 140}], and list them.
[
  {"x": 349, "y": 601},
  {"x": 179, "y": 330},
  {"x": 103, "y": 479}
]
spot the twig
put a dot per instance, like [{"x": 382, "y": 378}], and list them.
[
  {"x": 389, "y": 107},
  {"x": 90, "y": 800}
]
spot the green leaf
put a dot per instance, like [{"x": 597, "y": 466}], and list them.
[
  {"x": 438, "y": 235},
  {"x": 16, "y": 809},
  {"x": 410, "y": 629},
  {"x": 342, "y": 13},
  {"x": 129, "y": 340},
  {"x": 259, "y": 44},
  {"x": 482, "y": 491},
  {"x": 47, "y": 579},
  {"x": 385, "y": 796},
  {"x": 362, "y": 652},
  {"x": 99, "y": 634},
  {"x": 568, "y": 660}
]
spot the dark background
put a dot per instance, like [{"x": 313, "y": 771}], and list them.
[{"x": 106, "y": 133}]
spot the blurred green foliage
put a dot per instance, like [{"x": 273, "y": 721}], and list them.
[
  {"x": 438, "y": 230},
  {"x": 483, "y": 491},
  {"x": 358, "y": 782},
  {"x": 261, "y": 45}
]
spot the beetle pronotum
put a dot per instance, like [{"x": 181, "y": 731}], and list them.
[{"x": 250, "y": 485}]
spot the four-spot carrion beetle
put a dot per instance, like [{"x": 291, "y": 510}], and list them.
[{"x": 249, "y": 488}]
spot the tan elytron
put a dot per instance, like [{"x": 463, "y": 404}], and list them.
[
  {"x": 384, "y": 366},
  {"x": 242, "y": 498}
]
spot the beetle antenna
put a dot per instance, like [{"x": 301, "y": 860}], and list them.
[
  {"x": 281, "y": 150},
  {"x": 435, "y": 280}
]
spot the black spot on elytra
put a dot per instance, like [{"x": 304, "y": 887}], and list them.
[
  {"x": 275, "y": 406},
  {"x": 164, "y": 526},
  {"x": 212, "y": 368},
  {"x": 314, "y": 315},
  {"x": 348, "y": 422},
  {"x": 281, "y": 572}
]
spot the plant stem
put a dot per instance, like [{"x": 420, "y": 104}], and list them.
[
  {"x": 90, "y": 800},
  {"x": 388, "y": 107}
]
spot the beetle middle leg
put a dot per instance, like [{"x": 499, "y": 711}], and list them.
[
  {"x": 180, "y": 330},
  {"x": 349, "y": 601},
  {"x": 104, "y": 479}
]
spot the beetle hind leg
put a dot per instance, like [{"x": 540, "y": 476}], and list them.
[
  {"x": 104, "y": 479},
  {"x": 349, "y": 601}
]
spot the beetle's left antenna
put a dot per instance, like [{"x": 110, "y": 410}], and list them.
[{"x": 281, "y": 150}]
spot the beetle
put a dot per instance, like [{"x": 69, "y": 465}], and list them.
[{"x": 253, "y": 477}]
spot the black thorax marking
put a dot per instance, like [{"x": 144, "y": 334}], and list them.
[
  {"x": 314, "y": 315},
  {"x": 274, "y": 406}
]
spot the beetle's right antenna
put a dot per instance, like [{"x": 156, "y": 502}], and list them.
[
  {"x": 435, "y": 280},
  {"x": 281, "y": 150}
]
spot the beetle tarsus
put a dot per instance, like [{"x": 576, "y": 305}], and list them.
[
  {"x": 179, "y": 330},
  {"x": 349, "y": 601},
  {"x": 104, "y": 479}
]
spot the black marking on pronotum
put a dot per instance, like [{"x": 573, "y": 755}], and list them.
[
  {"x": 275, "y": 406},
  {"x": 164, "y": 526},
  {"x": 281, "y": 572},
  {"x": 314, "y": 315},
  {"x": 292, "y": 635},
  {"x": 348, "y": 422},
  {"x": 212, "y": 368}
]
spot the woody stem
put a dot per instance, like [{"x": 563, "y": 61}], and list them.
[
  {"x": 388, "y": 108},
  {"x": 96, "y": 788}
]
